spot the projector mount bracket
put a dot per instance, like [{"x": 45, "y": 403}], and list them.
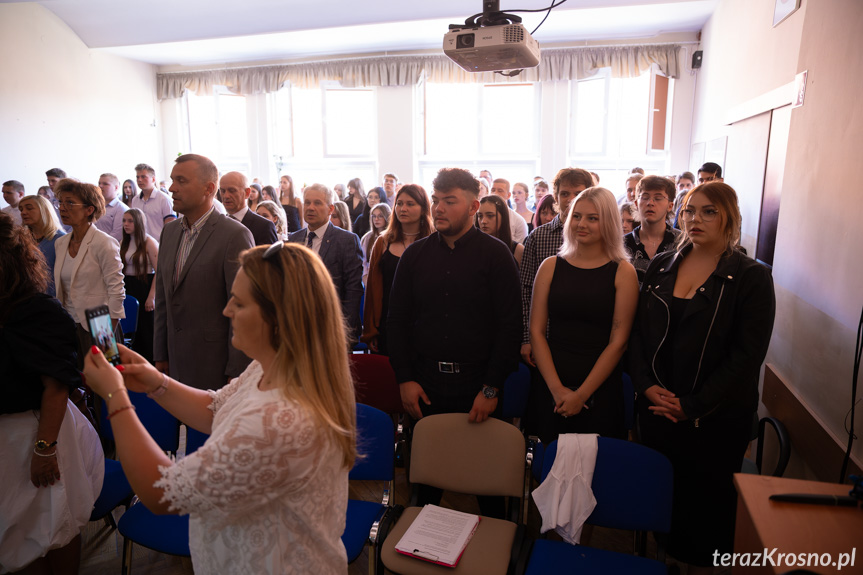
[{"x": 490, "y": 16}]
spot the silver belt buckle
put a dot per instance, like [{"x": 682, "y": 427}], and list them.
[{"x": 447, "y": 367}]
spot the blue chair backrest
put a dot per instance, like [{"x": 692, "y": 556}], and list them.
[
  {"x": 632, "y": 484},
  {"x": 515, "y": 391},
  {"x": 375, "y": 444},
  {"x": 130, "y": 322},
  {"x": 194, "y": 439},
  {"x": 161, "y": 425}
]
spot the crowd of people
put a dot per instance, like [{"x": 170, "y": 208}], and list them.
[{"x": 455, "y": 284}]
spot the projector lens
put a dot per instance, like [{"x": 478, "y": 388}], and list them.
[{"x": 464, "y": 41}]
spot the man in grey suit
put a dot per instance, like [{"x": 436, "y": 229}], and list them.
[
  {"x": 235, "y": 193},
  {"x": 339, "y": 249},
  {"x": 198, "y": 259}
]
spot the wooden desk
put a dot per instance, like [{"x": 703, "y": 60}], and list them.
[{"x": 793, "y": 527}]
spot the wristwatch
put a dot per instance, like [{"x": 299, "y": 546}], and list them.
[
  {"x": 489, "y": 392},
  {"x": 42, "y": 445}
]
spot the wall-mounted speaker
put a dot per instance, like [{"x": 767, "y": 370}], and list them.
[{"x": 696, "y": 59}]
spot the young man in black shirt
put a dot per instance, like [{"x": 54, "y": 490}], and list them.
[
  {"x": 655, "y": 201},
  {"x": 454, "y": 319}
]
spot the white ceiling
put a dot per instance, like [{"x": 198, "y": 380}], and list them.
[{"x": 207, "y": 32}]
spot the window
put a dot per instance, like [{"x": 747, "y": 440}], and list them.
[
  {"x": 326, "y": 134},
  {"x": 218, "y": 129},
  {"x": 324, "y": 122},
  {"x": 609, "y": 128},
  {"x": 479, "y": 126}
]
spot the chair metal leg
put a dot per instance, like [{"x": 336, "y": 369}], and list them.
[{"x": 126, "y": 568}]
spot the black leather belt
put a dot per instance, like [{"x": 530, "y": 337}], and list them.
[{"x": 454, "y": 367}]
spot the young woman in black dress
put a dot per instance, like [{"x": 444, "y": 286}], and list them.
[
  {"x": 582, "y": 310},
  {"x": 705, "y": 318}
]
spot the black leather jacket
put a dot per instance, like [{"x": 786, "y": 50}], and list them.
[{"x": 721, "y": 339}]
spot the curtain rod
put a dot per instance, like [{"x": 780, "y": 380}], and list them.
[{"x": 349, "y": 58}]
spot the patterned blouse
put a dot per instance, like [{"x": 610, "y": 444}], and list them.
[{"x": 267, "y": 492}]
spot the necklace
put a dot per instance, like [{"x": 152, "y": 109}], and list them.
[{"x": 411, "y": 235}]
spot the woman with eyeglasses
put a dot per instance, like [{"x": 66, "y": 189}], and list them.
[
  {"x": 704, "y": 323},
  {"x": 88, "y": 271},
  {"x": 363, "y": 224},
  {"x": 268, "y": 491}
]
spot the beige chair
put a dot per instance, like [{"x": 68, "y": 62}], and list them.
[{"x": 480, "y": 459}]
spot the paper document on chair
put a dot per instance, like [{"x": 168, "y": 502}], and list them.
[{"x": 438, "y": 535}]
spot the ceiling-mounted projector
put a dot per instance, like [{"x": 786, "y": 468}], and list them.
[
  {"x": 492, "y": 41},
  {"x": 492, "y": 48}
]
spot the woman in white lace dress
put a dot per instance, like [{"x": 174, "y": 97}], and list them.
[{"x": 267, "y": 493}]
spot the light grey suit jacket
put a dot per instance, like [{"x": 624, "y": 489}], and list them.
[{"x": 190, "y": 331}]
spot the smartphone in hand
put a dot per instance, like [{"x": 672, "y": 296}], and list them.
[{"x": 102, "y": 333}]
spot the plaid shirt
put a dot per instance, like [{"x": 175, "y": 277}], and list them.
[
  {"x": 542, "y": 243},
  {"x": 187, "y": 240}
]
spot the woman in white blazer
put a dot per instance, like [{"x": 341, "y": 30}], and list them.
[{"x": 87, "y": 270}]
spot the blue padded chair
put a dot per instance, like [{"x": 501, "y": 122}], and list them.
[
  {"x": 164, "y": 533},
  {"x": 130, "y": 322},
  {"x": 116, "y": 491},
  {"x": 633, "y": 488},
  {"x": 161, "y": 425},
  {"x": 368, "y": 521},
  {"x": 516, "y": 388}
]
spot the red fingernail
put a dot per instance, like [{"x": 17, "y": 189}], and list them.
[
  {"x": 121, "y": 368},
  {"x": 94, "y": 349}
]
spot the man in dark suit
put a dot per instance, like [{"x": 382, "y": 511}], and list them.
[
  {"x": 339, "y": 249},
  {"x": 198, "y": 259},
  {"x": 235, "y": 193}
]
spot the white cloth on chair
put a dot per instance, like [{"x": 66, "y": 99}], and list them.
[{"x": 565, "y": 499}]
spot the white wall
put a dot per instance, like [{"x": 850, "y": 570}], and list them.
[{"x": 64, "y": 105}]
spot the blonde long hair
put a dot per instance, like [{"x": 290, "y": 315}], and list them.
[
  {"x": 610, "y": 227},
  {"x": 50, "y": 223},
  {"x": 299, "y": 303}
]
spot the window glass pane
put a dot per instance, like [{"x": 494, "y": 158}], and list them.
[
  {"x": 508, "y": 119},
  {"x": 282, "y": 132},
  {"x": 634, "y": 95},
  {"x": 350, "y": 122},
  {"x": 307, "y": 123},
  {"x": 233, "y": 132},
  {"x": 590, "y": 116},
  {"x": 451, "y": 119},
  {"x": 202, "y": 125}
]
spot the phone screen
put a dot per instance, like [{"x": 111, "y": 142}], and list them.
[{"x": 103, "y": 334}]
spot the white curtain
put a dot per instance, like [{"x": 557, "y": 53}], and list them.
[{"x": 555, "y": 65}]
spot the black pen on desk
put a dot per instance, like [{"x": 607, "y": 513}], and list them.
[{"x": 816, "y": 499}]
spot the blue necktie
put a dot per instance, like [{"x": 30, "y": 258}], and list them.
[{"x": 312, "y": 237}]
